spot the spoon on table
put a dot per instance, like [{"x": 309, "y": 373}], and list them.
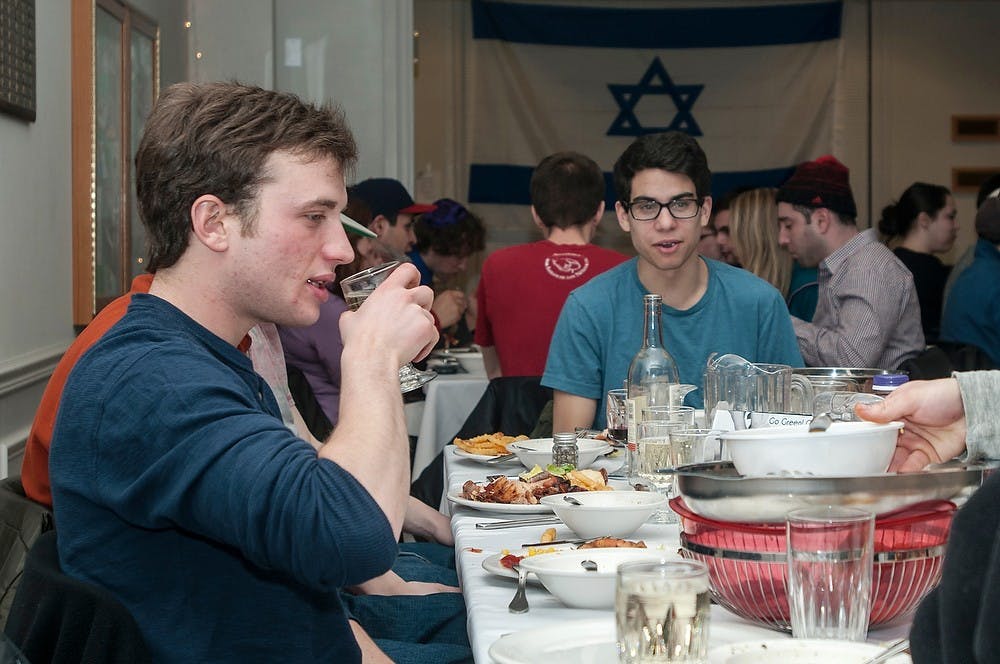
[
  {"x": 891, "y": 651},
  {"x": 520, "y": 602},
  {"x": 820, "y": 422}
]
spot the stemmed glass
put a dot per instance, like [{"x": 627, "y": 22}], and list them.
[
  {"x": 357, "y": 288},
  {"x": 617, "y": 417}
]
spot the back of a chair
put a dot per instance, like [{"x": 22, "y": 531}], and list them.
[
  {"x": 57, "y": 619},
  {"x": 22, "y": 520},
  {"x": 511, "y": 404}
]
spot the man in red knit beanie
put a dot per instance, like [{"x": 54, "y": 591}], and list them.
[{"x": 867, "y": 314}]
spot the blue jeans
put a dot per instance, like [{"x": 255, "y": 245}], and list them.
[{"x": 417, "y": 629}]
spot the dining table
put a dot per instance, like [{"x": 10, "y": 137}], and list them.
[
  {"x": 448, "y": 401},
  {"x": 487, "y": 594}
]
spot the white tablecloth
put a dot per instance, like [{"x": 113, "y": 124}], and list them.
[
  {"x": 487, "y": 595},
  {"x": 450, "y": 399}
]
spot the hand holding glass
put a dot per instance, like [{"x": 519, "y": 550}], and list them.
[{"x": 357, "y": 288}]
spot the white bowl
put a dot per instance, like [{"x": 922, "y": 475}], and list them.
[
  {"x": 538, "y": 451},
  {"x": 562, "y": 574},
  {"x": 605, "y": 513},
  {"x": 846, "y": 449}
]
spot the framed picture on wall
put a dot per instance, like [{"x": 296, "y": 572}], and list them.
[{"x": 17, "y": 58}]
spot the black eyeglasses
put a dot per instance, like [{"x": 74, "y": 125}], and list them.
[{"x": 647, "y": 209}]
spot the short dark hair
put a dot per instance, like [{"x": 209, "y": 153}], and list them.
[
  {"x": 989, "y": 185},
  {"x": 671, "y": 151},
  {"x": 216, "y": 138},
  {"x": 450, "y": 230},
  {"x": 566, "y": 189}
]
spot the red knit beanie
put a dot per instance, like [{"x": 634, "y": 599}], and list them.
[{"x": 822, "y": 183}]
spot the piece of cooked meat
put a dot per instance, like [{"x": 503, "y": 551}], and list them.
[{"x": 612, "y": 543}]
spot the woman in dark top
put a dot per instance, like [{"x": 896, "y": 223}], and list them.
[{"x": 924, "y": 220}]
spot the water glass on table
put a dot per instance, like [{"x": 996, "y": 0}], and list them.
[
  {"x": 680, "y": 414},
  {"x": 830, "y": 558},
  {"x": 662, "y": 612},
  {"x": 694, "y": 446},
  {"x": 655, "y": 452},
  {"x": 357, "y": 288}
]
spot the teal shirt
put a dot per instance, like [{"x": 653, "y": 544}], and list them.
[
  {"x": 600, "y": 330},
  {"x": 803, "y": 292}
]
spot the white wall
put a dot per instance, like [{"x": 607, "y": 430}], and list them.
[
  {"x": 35, "y": 253},
  {"x": 932, "y": 60},
  {"x": 356, "y": 54}
]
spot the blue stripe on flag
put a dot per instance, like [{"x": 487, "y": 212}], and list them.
[
  {"x": 610, "y": 27},
  {"x": 509, "y": 185}
]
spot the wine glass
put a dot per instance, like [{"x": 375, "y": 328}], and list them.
[
  {"x": 357, "y": 288},
  {"x": 617, "y": 417}
]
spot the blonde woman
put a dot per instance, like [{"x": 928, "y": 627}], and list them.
[{"x": 754, "y": 242}]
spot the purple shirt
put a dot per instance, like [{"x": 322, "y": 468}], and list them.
[{"x": 315, "y": 350}]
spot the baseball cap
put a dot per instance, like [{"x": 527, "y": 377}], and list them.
[
  {"x": 355, "y": 227},
  {"x": 387, "y": 197}
]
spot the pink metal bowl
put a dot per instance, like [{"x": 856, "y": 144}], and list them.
[{"x": 747, "y": 565}]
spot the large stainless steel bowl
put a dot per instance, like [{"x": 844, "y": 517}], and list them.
[{"x": 716, "y": 491}]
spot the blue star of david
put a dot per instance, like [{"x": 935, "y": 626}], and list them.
[{"x": 627, "y": 96}]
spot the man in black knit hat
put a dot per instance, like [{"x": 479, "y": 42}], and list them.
[{"x": 868, "y": 314}]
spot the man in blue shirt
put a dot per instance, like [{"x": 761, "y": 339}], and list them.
[
  {"x": 972, "y": 312},
  {"x": 175, "y": 483},
  {"x": 662, "y": 184}
]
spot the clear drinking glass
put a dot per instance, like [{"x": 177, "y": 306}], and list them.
[
  {"x": 357, "y": 288},
  {"x": 830, "y": 558},
  {"x": 616, "y": 414},
  {"x": 680, "y": 414},
  {"x": 662, "y": 612},
  {"x": 655, "y": 452},
  {"x": 695, "y": 446}
]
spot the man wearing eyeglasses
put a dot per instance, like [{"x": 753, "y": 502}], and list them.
[{"x": 662, "y": 184}]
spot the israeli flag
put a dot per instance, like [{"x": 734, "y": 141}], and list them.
[{"x": 754, "y": 84}]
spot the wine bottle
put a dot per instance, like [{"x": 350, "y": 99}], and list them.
[{"x": 650, "y": 376}]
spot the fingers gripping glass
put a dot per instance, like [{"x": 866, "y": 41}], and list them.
[
  {"x": 357, "y": 288},
  {"x": 647, "y": 209}
]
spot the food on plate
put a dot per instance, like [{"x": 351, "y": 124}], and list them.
[
  {"x": 548, "y": 535},
  {"x": 512, "y": 560},
  {"x": 488, "y": 444},
  {"x": 516, "y": 491},
  {"x": 612, "y": 543}
]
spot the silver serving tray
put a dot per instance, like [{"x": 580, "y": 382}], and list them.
[{"x": 716, "y": 491}]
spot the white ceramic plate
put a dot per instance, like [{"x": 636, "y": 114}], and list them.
[
  {"x": 492, "y": 563},
  {"x": 578, "y": 642},
  {"x": 798, "y": 651},
  {"x": 455, "y": 496},
  {"x": 482, "y": 458}
]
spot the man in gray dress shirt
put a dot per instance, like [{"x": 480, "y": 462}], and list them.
[{"x": 868, "y": 314}]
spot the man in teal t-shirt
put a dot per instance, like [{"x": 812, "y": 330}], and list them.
[{"x": 662, "y": 185}]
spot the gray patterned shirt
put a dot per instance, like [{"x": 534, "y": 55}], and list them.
[{"x": 868, "y": 314}]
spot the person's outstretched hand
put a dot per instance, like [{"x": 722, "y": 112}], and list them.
[{"x": 934, "y": 422}]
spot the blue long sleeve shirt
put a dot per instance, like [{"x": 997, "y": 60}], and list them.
[{"x": 177, "y": 486}]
